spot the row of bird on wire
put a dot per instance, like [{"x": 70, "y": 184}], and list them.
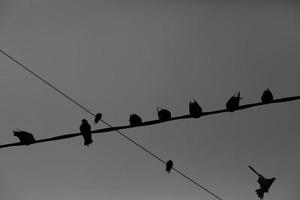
[{"x": 195, "y": 111}]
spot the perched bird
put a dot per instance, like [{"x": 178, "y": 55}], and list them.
[
  {"x": 85, "y": 129},
  {"x": 135, "y": 120},
  {"x": 195, "y": 109},
  {"x": 264, "y": 184},
  {"x": 267, "y": 96},
  {"x": 24, "y": 137},
  {"x": 233, "y": 103},
  {"x": 169, "y": 166},
  {"x": 98, "y": 117},
  {"x": 163, "y": 114}
]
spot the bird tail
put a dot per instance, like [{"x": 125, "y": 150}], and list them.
[
  {"x": 88, "y": 142},
  {"x": 260, "y": 193}
]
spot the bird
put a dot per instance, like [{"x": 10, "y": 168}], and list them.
[
  {"x": 195, "y": 109},
  {"x": 169, "y": 166},
  {"x": 163, "y": 114},
  {"x": 267, "y": 96},
  {"x": 135, "y": 120},
  {"x": 24, "y": 137},
  {"x": 85, "y": 129},
  {"x": 264, "y": 183},
  {"x": 233, "y": 103},
  {"x": 98, "y": 117}
]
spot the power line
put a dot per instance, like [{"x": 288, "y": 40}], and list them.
[
  {"x": 46, "y": 82},
  {"x": 153, "y": 122},
  {"x": 91, "y": 113}
]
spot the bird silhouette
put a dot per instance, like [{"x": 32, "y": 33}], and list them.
[
  {"x": 169, "y": 166},
  {"x": 98, "y": 117},
  {"x": 135, "y": 120},
  {"x": 24, "y": 137},
  {"x": 267, "y": 96},
  {"x": 195, "y": 109},
  {"x": 85, "y": 129},
  {"x": 163, "y": 114},
  {"x": 233, "y": 103},
  {"x": 264, "y": 184}
]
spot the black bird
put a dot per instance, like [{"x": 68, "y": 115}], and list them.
[
  {"x": 169, "y": 166},
  {"x": 267, "y": 96},
  {"x": 135, "y": 120},
  {"x": 24, "y": 137},
  {"x": 195, "y": 109},
  {"x": 98, "y": 117},
  {"x": 85, "y": 129},
  {"x": 264, "y": 184},
  {"x": 233, "y": 103},
  {"x": 163, "y": 114}
]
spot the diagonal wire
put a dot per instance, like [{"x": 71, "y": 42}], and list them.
[
  {"x": 119, "y": 132},
  {"x": 153, "y": 122}
]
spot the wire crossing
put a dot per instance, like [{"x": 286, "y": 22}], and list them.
[
  {"x": 151, "y": 122},
  {"x": 118, "y": 131}
]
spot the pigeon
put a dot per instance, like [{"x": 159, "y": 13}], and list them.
[
  {"x": 169, "y": 166},
  {"x": 163, "y": 114},
  {"x": 267, "y": 96},
  {"x": 233, "y": 103},
  {"x": 135, "y": 120},
  {"x": 98, "y": 117},
  {"x": 264, "y": 184},
  {"x": 85, "y": 129},
  {"x": 24, "y": 137},
  {"x": 195, "y": 109}
]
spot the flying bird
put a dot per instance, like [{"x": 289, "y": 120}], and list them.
[
  {"x": 264, "y": 184},
  {"x": 135, "y": 120},
  {"x": 195, "y": 109},
  {"x": 233, "y": 103},
  {"x": 85, "y": 129},
  {"x": 267, "y": 96},
  {"x": 169, "y": 166},
  {"x": 98, "y": 117},
  {"x": 24, "y": 137},
  {"x": 163, "y": 114}
]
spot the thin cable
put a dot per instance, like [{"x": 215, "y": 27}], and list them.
[
  {"x": 46, "y": 82},
  {"x": 120, "y": 133},
  {"x": 152, "y": 122}
]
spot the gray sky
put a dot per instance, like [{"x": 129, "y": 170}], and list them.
[{"x": 119, "y": 57}]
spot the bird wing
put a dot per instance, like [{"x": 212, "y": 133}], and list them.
[{"x": 258, "y": 174}]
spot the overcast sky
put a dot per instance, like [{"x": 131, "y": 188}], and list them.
[{"x": 122, "y": 57}]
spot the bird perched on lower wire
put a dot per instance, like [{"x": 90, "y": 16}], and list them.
[
  {"x": 267, "y": 96},
  {"x": 163, "y": 114},
  {"x": 264, "y": 183},
  {"x": 169, "y": 166},
  {"x": 135, "y": 120},
  {"x": 86, "y": 131},
  {"x": 233, "y": 103},
  {"x": 195, "y": 109},
  {"x": 24, "y": 137},
  {"x": 98, "y": 117}
]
